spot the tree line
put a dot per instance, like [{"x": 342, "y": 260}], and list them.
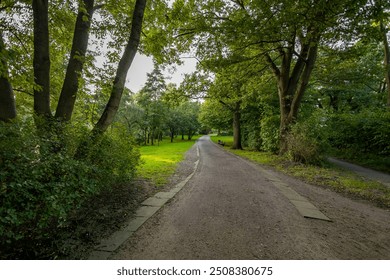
[{"x": 288, "y": 77}]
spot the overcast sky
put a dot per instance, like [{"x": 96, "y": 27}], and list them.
[{"x": 142, "y": 65}]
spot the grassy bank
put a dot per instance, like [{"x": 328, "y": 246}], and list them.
[
  {"x": 328, "y": 175},
  {"x": 159, "y": 161}
]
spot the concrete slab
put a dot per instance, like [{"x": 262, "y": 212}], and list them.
[
  {"x": 135, "y": 224},
  {"x": 313, "y": 214},
  {"x": 99, "y": 255},
  {"x": 114, "y": 241},
  {"x": 146, "y": 211},
  {"x": 155, "y": 201},
  {"x": 167, "y": 195},
  {"x": 303, "y": 204},
  {"x": 291, "y": 194}
]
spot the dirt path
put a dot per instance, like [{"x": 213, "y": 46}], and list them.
[
  {"x": 231, "y": 210},
  {"x": 380, "y": 177}
]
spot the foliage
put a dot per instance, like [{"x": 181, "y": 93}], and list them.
[
  {"x": 159, "y": 162},
  {"x": 367, "y": 132},
  {"x": 270, "y": 133},
  {"x": 40, "y": 187},
  {"x": 308, "y": 140}
]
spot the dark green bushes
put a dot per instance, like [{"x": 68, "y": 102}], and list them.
[
  {"x": 308, "y": 140},
  {"x": 40, "y": 185},
  {"x": 270, "y": 133},
  {"x": 353, "y": 136},
  {"x": 366, "y": 132}
]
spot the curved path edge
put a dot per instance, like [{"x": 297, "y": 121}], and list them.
[{"x": 147, "y": 209}]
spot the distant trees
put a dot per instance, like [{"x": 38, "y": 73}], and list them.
[{"x": 282, "y": 36}]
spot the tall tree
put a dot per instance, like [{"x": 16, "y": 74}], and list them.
[
  {"x": 284, "y": 34},
  {"x": 76, "y": 61},
  {"x": 7, "y": 99},
  {"x": 41, "y": 58},
  {"x": 124, "y": 64}
]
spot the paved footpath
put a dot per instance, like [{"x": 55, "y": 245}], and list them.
[
  {"x": 380, "y": 177},
  {"x": 230, "y": 208}
]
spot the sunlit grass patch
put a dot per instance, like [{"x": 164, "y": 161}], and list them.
[{"x": 159, "y": 161}]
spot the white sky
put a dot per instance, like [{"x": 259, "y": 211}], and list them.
[{"x": 142, "y": 65}]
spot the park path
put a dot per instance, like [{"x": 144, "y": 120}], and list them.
[
  {"x": 234, "y": 209},
  {"x": 380, "y": 177}
]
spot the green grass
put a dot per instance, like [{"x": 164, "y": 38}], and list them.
[
  {"x": 327, "y": 175},
  {"x": 159, "y": 162}
]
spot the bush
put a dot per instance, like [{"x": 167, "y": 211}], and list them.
[
  {"x": 41, "y": 185},
  {"x": 307, "y": 140},
  {"x": 270, "y": 133},
  {"x": 362, "y": 133}
]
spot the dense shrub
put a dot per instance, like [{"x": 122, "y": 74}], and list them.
[
  {"x": 40, "y": 185},
  {"x": 362, "y": 133},
  {"x": 307, "y": 141},
  {"x": 270, "y": 133}
]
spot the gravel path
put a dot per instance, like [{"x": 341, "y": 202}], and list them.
[
  {"x": 231, "y": 210},
  {"x": 380, "y": 177}
]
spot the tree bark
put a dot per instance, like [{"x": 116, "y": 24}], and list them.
[
  {"x": 41, "y": 61},
  {"x": 237, "y": 127},
  {"x": 386, "y": 60},
  {"x": 292, "y": 86},
  {"x": 7, "y": 100},
  {"x": 124, "y": 64},
  {"x": 76, "y": 61}
]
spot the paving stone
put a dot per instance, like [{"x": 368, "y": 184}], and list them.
[
  {"x": 291, "y": 194},
  {"x": 167, "y": 195},
  {"x": 146, "y": 211},
  {"x": 155, "y": 201},
  {"x": 313, "y": 214},
  {"x": 99, "y": 255},
  {"x": 134, "y": 224},
  {"x": 114, "y": 241},
  {"x": 303, "y": 204}
]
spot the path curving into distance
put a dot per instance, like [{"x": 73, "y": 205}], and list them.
[{"x": 233, "y": 209}]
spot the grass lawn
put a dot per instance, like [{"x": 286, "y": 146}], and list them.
[
  {"x": 159, "y": 162},
  {"x": 327, "y": 175}
]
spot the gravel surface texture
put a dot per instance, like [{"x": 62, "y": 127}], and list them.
[{"x": 231, "y": 210}]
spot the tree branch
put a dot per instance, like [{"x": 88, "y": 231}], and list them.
[{"x": 271, "y": 63}]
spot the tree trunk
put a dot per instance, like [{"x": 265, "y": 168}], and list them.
[
  {"x": 7, "y": 100},
  {"x": 124, "y": 64},
  {"x": 386, "y": 60},
  {"x": 292, "y": 84},
  {"x": 41, "y": 61},
  {"x": 76, "y": 61},
  {"x": 237, "y": 127}
]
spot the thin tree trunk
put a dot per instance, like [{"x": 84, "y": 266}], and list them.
[
  {"x": 237, "y": 127},
  {"x": 41, "y": 61},
  {"x": 386, "y": 60},
  {"x": 76, "y": 61},
  {"x": 7, "y": 100},
  {"x": 124, "y": 64}
]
